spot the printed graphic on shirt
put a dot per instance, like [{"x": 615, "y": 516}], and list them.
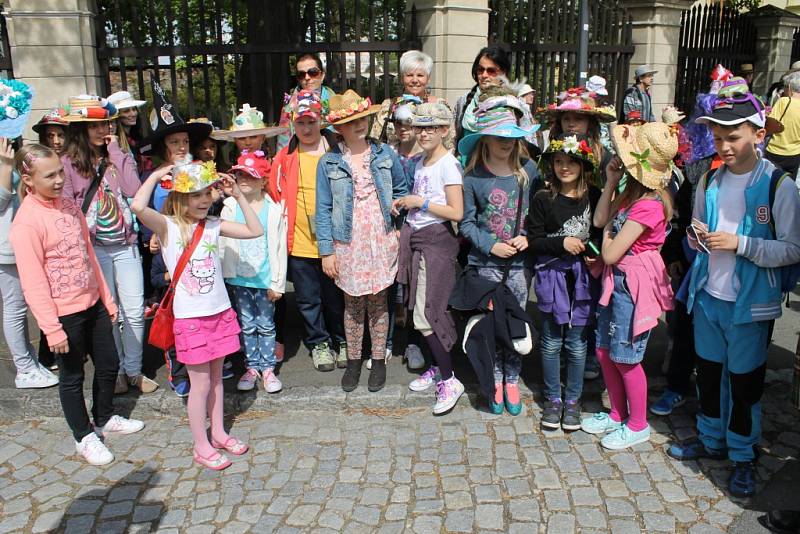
[
  {"x": 252, "y": 254},
  {"x": 500, "y": 213},
  {"x": 198, "y": 277},
  {"x": 69, "y": 264},
  {"x": 576, "y": 226}
]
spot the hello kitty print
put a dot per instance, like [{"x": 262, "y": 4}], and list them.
[{"x": 198, "y": 277}]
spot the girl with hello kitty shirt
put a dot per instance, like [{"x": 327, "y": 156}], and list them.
[{"x": 206, "y": 327}]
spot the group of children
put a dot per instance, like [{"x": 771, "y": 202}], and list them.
[{"x": 363, "y": 228}]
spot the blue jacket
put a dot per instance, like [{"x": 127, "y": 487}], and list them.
[
  {"x": 760, "y": 253},
  {"x": 334, "y": 218}
]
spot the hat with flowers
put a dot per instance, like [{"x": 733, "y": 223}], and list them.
[
  {"x": 253, "y": 163},
  {"x": 190, "y": 176},
  {"x": 306, "y": 103},
  {"x": 15, "y": 106},
  {"x": 54, "y": 117},
  {"x": 581, "y": 100},
  {"x": 646, "y": 151},
  {"x": 348, "y": 106},
  {"x": 403, "y": 108},
  {"x": 574, "y": 145}
]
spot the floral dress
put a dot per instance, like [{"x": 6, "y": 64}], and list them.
[{"x": 368, "y": 263}]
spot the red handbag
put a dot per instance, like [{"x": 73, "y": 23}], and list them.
[{"x": 161, "y": 334}]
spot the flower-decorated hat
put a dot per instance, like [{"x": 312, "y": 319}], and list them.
[
  {"x": 581, "y": 100},
  {"x": 165, "y": 120},
  {"x": 248, "y": 122},
  {"x": 54, "y": 117},
  {"x": 646, "y": 151},
  {"x": 255, "y": 164},
  {"x": 15, "y": 106},
  {"x": 191, "y": 176},
  {"x": 574, "y": 145},
  {"x": 306, "y": 103},
  {"x": 124, "y": 100},
  {"x": 348, "y": 106},
  {"x": 89, "y": 108},
  {"x": 432, "y": 114},
  {"x": 403, "y": 109}
]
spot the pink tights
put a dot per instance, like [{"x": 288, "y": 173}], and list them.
[
  {"x": 205, "y": 397},
  {"x": 627, "y": 390}
]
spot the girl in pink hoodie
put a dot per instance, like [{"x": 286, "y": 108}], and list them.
[{"x": 65, "y": 289}]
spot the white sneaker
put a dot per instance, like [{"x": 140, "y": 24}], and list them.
[
  {"x": 414, "y": 357},
  {"x": 447, "y": 394},
  {"x": 38, "y": 377},
  {"x": 248, "y": 380},
  {"x": 94, "y": 450},
  {"x": 425, "y": 380},
  {"x": 271, "y": 382},
  {"x": 369, "y": 364},
  {"x": 119, "y": 425}
]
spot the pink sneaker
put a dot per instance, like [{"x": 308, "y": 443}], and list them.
[
  {"x": 248, "y": 380},
  {"x": 425, "y": 380},
  {"x": 447, "y": 394},
  {"x": 279, "y": 351},
  {"x": 271, "y": 382}
]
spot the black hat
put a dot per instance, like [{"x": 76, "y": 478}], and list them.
[
  {"x": 735, "y": 108},
  {"x": 164, "y": 120},
  {"x": 572, "y": 144}
]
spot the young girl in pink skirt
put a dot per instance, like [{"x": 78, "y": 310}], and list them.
[{"x": 206, "y": 327}]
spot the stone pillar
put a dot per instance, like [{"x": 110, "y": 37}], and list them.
[
  {"x": 774, "y": 38},
  {"x": 656, "y": 35},
  {"x": 452, "y": 32},
  {"x": 53, "y": 49}
]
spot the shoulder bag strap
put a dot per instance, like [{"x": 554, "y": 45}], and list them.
[
  {"x": 184, "y": 258},
  {"x": 98, "y": 177}
]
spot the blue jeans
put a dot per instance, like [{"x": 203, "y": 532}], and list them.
[
  {"x": 122, "y": 269},
  {"x": 574, "y": 340},
  {"x": 319, "y": 300},
  {"x": 256, "y": 317}
]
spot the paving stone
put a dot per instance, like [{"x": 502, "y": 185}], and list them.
[
  {"x": 459, "y": 521},
  {"x": 489, "y": 516},
  {"x": 116, "y": 509},
  {"x": 458, "y": 500},
  {"x": 146, "y": 513},
  {"x": 590, "y": 517},
  {"x": 620, "y": 526},
  {"x": 659, "y": 522},
  {"x": 303, "y": 515},
  {"x": 561, "y": 524},
  {"x": 488, "y": 493},
  {"x": 524, "y": 510},
  {"x": 556, "y": 500},
  {"x": 426, "y": 524},
  {"x": 703, "y": 528},
  {"x": 79, "y": 524},
  {"x": 585, "y": 497},
  {"x": 47, "y": 522}
]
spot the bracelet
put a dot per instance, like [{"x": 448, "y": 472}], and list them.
[{"x": 425, "y": 205}]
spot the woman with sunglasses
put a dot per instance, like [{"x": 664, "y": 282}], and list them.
[{"x": 309, "y": 74}]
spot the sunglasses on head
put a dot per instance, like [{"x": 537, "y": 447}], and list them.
[
  {"x": 491, "y": 71},
  {"x": 313, "y": 72}
]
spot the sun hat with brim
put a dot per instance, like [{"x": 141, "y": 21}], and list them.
[
  {"x": 581, "y": 100},
  {"x": 191, "y": 177},
  {"x": 165, "y": 120},
  {"x": 646, "y": 151},
  {"x": 498, "y": 121},
  {"x": 738, "y": 108},
  {"x": 249, "y": 121},
  {"x": 574, "y": 145},
  {"x": 124, "y": 100},
  {"x": 254, "y": 163},
  {"x": 348, "y": 106},
  {"x": 54, "y": 117},
  {"x": 89, "y": 108},
  {"x": 432, "y": 114},
  {"x": 644, "y": 69},
  {"x": 403, "y": 109}
]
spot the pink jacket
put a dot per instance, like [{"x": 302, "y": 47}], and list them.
[
  {"x": 121, "y": 176},
  {"x": 648, "y": 281},
  {"x": 58, "y": 269}
]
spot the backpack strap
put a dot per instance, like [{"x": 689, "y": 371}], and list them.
[{"x": 775, "y": 181}]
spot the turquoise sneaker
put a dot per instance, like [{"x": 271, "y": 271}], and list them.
[
  {"x": 599, "y": 423},
  {"x": 624, "y": 437}
]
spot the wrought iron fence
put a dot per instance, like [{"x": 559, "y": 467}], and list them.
[{"x": 6, "y": 68}]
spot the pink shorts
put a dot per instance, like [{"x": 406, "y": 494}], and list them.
[{"x": 203, "y": 339}]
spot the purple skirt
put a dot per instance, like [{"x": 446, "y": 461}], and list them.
[{"x": 203, "y": 339}]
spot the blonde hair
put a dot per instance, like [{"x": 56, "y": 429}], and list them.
[
  {"x": 25, "y": 159},
  {"x": 176, "y": 206},
  {"x": 635, "y": 191},
  {"x": 480, "y": 154}
]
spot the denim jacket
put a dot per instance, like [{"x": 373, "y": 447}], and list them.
[{"x": 334, "y": 219}]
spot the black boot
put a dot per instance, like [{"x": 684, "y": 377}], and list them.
[
  {"x": 351, "y": 375},
  {"x": 782, "y": 521},
  {"x": 377, "y": 376}
]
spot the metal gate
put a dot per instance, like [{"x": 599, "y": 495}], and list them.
[
  {"x": 216, "y": 54},
  {"x": 543, "y": 38}
]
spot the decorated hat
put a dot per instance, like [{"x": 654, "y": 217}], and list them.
[
  {"x": 89, "y": 108},
  {"x": 54, "y": 117},
  {"x": 582, "y": 100},
  {"x": 15, "y": 106},
  {"x": 672, "y": 115},
  {"x": 646, "y": 151},
  {"x": 255, "y": 164},
  {"x": 731, "y": 109},
  {"x": 719, "y": 75},
  {"x": 597, "y": 84},
  {"x": 191, "y": 176},
  {"x": 403, "y": 108},
  {"x": 248, "y": 122},
  {"x": 348, "y": 106},
  {"x": 306, "y": 103},
  {"x": 574, "y": 145},
  {"x": 432, "y": 114},
  {"x": 124, "y": 100},
  {"x": 165, "y": 120}
]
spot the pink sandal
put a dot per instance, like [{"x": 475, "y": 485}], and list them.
[
  {"x": 232, "y": 445},
  {"x": 217, "y": 463}
]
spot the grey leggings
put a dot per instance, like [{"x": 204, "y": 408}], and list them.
[{"x": 15, "y": 320}]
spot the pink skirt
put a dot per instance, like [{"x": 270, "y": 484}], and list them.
[{"x": 203, "y": 339}]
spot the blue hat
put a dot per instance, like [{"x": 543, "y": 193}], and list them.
[{"x": 511, "y": 131}]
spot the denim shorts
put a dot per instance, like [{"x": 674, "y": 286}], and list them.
[{"x": 615, "y": 326}]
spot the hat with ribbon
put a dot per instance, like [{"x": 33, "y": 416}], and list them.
[
  {"x": 306, "y": 103},
  {"x": 581, "y": 100},
  {"x": 646, "y": 151},
  {"x": 15, "y": 106},
  {"x": 165, "y": 120},
  {"x": 403, "y": 108},
  {"x": 348, "y": 106},
  {"x": 432, "y": 114},
  {"x": 249, "y": 121},
  {"x": 191, "y": 176},
  {"x": 124, "y": 100},
  {"x": 574, "y": 145},
  {"x": 733, "y": 108},
  {"x": 89, "y": 108},
  {"x": 254, "y": 163},
  {"x": 54, "y": 117}
]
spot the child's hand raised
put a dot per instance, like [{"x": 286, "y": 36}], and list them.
[
  {"x": 229, "y": 186},
  {"x": 161, "y": 172},
  {"x": 6, "y": 152},
  {"x": 614, "y": 172}
]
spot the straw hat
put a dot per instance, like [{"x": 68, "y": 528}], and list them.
[
  {"x": 191, "y": 177},
  {"x": 124, "y": 100},
  {"x": 89, "y": 108},
  {"x": 581, "y": 100},
  {"x": 348, "y": 106},
  {"x": 164, "y": 121},
  {"x": 646, "y": 151},
  {"x": 672, "y": 115},
  {"x": 248, "y": 122},
  {"x": 54, "y": 117}
]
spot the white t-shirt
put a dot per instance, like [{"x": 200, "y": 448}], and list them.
[
  {"x": 722, "y": 263},
  {"x": 429, "y": 183},
  {"x": 200, "y": 292}
]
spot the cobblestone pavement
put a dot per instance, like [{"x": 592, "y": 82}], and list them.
[{"x": 378, "y": 471}]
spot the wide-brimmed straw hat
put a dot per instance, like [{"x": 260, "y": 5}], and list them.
[
  {"x": 54, "y": 117},
  {"x": 191, "y": 176},
  {"x": 165, "y": 120},
  {"x": 124, "y": 100},
  {"x": 348, "y": 106},
  {"x": 581, "y": 100},
  {"x": 646, "y": 151},
  {"x": 89, "y": 108},
  {"x": 249, "y": 121},
  {"x": 574, "y": 145}
]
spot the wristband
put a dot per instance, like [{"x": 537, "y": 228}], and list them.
[{"x": 425, "y": 205}]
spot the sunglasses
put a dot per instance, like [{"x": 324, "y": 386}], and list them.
[
  {"x": 313, "y": 72},
  {"x": 491, "y": 71},
  {"x": 427, "y": 129}
]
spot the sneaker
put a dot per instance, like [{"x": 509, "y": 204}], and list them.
[
  {"x": 369, "y": 364},
  {"x": 248, "y": 380},
  {"x": 512, "y": 399},
  {"x": 693, "y": 450},
  {"x": 389, "y": 354},
  {"x": 93, "y": 450},
  {"x": 121, "y": 385},
  {"x": 668, "y": 401},
  {"x": 323, "y": 358},
  {"x": 119, "y": 425},
  {"x": 590, "y": 374},
  {"x": 181, "y": 389},
  {"x": 425, "y": 380},
  {"x": 38, "y": 377},
  {"x": 351, "y": 375},
  {"x": 414, "y": 357},
  {"x": 571, "y": 418},
  {"x": 341, "y": 357},
  {"x": 496, "y": 403},
  {"x": 624, "y": 438},
  {"x": 743, "y": 479},
  {"x": 377, "y": 376},
  {"x": 551, "y": 415},
  {"x": 447, "y": 394},
  {"x": 600, "y": 423},
  {"x": 142, "y": 383},
  {"x": 227, "y": 370},
  {"x": 280, "y": 350},
  {"x": 271, "y": 382}
]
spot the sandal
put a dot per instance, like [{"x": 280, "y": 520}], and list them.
[
  {"x": 232, "y": 445},
  {"x": 217, "y": 463}
]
